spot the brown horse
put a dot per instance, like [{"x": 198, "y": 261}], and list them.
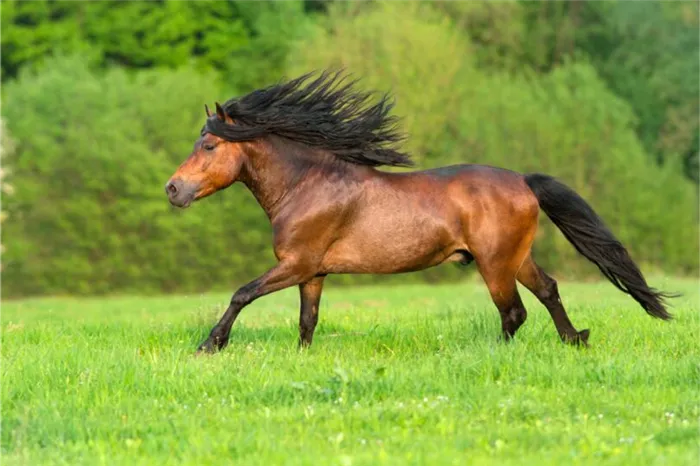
[{"x": 308, "y": 151}]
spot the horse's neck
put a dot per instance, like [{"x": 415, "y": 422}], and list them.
[
  {"x": 271, "y": 173},
  {"x": 276, "y": 170}
]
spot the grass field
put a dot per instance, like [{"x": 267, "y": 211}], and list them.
[{"x": 396, "y": 376}]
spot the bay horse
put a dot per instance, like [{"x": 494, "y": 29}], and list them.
[{"x": 308, "y": 149}]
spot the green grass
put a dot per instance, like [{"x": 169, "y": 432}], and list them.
[{"x": 397, "y": 376}]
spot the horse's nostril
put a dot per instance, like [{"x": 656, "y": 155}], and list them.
[{"x": 171, "y": 188}]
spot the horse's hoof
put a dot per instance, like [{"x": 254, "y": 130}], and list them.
[
  {"x": 209, "y": 347},
  {"x": 579, "y": 339},
  {"x": 583, "y": 337},
  {"x": 203, "y": 351},
  {"x": 304, "y": 345}
]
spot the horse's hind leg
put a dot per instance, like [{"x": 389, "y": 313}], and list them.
[
  {"x": 310, "y": 293},
  {"x": 545, "y": 289},
  {"x": 504, "y": 293}
]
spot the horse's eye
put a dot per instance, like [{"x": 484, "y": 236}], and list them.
[{"x": 209, "y": 147}]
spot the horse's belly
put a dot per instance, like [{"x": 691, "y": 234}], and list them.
[{"x": 402, "y": 250}]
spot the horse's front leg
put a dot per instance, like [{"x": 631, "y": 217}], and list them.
[{"x": 284, "y": 275}]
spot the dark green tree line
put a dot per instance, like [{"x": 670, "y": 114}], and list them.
[{"x": 222, "y": 35}]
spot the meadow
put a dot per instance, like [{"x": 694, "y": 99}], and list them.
[{"x": 397, "y": 375}]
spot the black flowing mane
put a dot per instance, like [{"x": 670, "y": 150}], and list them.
[{"x": 327, "y": 113}]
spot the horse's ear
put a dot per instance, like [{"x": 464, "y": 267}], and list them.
[
  {"x": 206, "y": 109},
  {"x": 220, "y": 113}
]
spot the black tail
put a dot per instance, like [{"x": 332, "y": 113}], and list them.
[{"x": 589, "y": 235}]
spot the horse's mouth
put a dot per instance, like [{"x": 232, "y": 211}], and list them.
[
  {"x": 184, "y": 201},
  {"x": 182, "y": 204}
]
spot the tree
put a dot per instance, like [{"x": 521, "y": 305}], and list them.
[{"x": 232, "y": 37}]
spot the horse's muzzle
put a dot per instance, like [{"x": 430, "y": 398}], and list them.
[{"x": 180, "y": 194}]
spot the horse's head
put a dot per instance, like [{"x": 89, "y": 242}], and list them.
[{"x": 214, "y": 164}]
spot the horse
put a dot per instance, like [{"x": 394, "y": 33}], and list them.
[{"x": 308, "y": 150}]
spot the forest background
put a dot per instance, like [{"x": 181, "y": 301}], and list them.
[{"x": 101, "y": 101}]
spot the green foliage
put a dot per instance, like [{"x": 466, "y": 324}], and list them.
[
  {"x": 145, "y": 34},
  {"x": 595, "y": 93},
  {"x": 274, "y": 29},
  {"x": 652, "y": 62},
  {"x": 411, "y": 375},
  {"x": 32, "y": 30},
  {"x": 229, "y": 36},
  {"x": 90, "y": 213},
  {"x": 647, "y": 53}
]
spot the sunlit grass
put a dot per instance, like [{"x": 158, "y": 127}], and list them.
[{"x": 400, "y": 376}]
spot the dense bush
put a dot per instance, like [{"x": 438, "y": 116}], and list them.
[
  {"x": 220, "y": 35},
  {"x": 90, "y": 213},
  {"x": 645, "y": 51}
]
